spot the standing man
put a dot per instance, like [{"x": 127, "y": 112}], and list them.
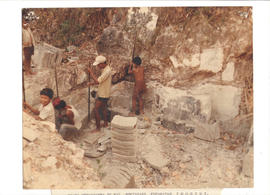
[
  {"x": 28, "y": 45},
  {"x": 104, "y": 89}
]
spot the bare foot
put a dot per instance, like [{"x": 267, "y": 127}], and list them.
[
  {"x": 104, "y": 125},
  {"x": 131, "y": 114}
]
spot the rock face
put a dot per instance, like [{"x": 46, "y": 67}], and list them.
[
  {"x": 49, "y": 162},
  {"x": 225, "y": 100},
  {"x": 178, "y": 108},
  {"x": 47, "y": 56},
  {"x": 124, "y": 138}
]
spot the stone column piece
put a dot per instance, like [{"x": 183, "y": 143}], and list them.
[{"x": 124, "y": 138}]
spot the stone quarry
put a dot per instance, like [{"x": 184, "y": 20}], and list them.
[{"x": 197, "y": 129}]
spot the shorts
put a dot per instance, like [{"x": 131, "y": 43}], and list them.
[{"x": 103, "y": 100}]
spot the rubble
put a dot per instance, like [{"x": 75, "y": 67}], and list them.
[{"x": 52, "y": 162}]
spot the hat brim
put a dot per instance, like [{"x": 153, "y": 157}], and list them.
[{"x": 96, "y": 63}]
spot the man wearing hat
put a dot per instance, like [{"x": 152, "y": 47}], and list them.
[{"x": 104, "y": 89}]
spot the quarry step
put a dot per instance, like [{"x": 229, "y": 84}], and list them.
[{"x": 126, "y": 123}]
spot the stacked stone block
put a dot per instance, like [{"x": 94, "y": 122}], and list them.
[{"x": 124, "y": 138}]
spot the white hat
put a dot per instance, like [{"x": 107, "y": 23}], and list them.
[{"x": 99, "y": 60}]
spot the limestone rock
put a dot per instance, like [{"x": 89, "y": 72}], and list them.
[
  {"x": 179, "y": 107},
  {"x": 118, "y": 177},
  {"x": 212, "y": 59},
  {"x": 49, "y": 162},
  {"x": 228, "y": 73},
  {"x": 27, "y": 171},
  {"x": 225, "y": 100},
  {"x": 126, "y": 123},
  {"x": 30, "y": 134},
  {"x": 207, "y": 132},
  {"x": 47, "y": 56},
  {"x": 114, "y": 41},
  {"x": 240, "y": 126},
  {"x": 248, "y": 165},
  {"x": 156, "y": 160},
  {"x": 152, "y": 153}
]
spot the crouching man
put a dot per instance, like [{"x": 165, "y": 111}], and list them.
[{"x": 67, "y": 119}]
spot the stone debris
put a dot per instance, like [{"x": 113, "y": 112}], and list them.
[
  {"x": 104, "y": 139},
  {"x": 124, "y": 138},
  {"x": 118, "y": 177},
  {"x": 30, "y": 134},
  {"x": 49, "y": 162},
  {"x": 53, "y": 163}
]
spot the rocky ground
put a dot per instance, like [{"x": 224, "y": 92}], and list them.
[
  {"x": 49, "y": 162},
  {"x": 169, "y": 159}
]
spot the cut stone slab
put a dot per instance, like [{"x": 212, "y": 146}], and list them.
[
  {"x": 125, "y": 158},
  {"x": 207, "y": 132},
  {"x": 124, "y": 153},
  {"x": 123, "y": 137},
  {"x": 156, "y": 160},
  {"x": 123, "y": 148},
  {"x": 104, "y": 139},
  {"x": 123, "y": 143},
  {"x": 30, "y": 134},
  {"x": 93, "y": 153},
  {"x": 102, "y": 148},
  {"x": 126, "y": 123},
  {"x": 118, "y": 177},
  {"x": 124, "y": 131}
]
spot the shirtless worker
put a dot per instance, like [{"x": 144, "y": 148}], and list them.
[{"x": 140, "y": 88}]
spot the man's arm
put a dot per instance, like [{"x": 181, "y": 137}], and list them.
[
  {"x": 93, "y": 75},
  {"x": 35, "y": 111},
  {"x": 70, "y": 116}
]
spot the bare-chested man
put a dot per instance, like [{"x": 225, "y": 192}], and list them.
[{"x": 140, "y": 87}]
